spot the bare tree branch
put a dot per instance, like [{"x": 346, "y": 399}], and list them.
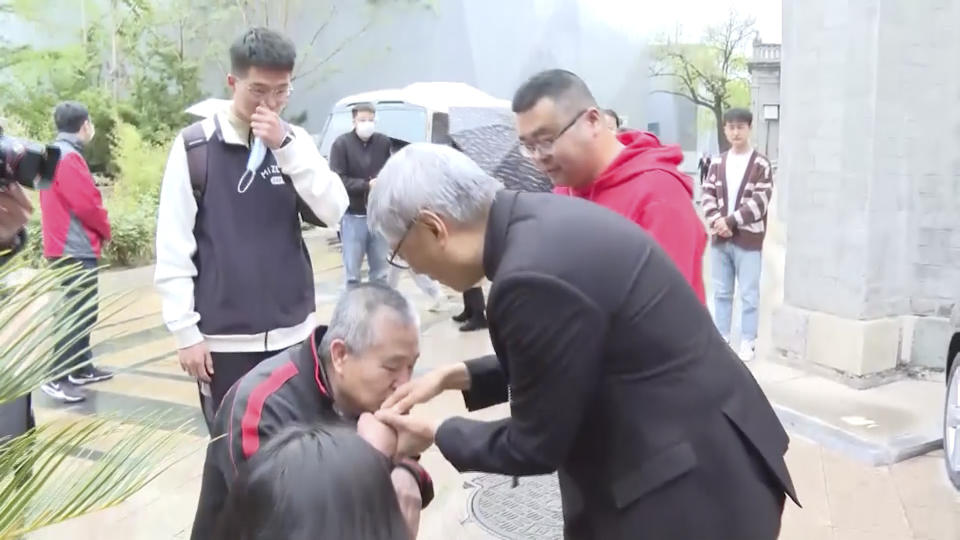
[
  {"x": 324, "y": 24},
  {"x": 699, "y": 102},
  {"x": 339, "y": 48}
]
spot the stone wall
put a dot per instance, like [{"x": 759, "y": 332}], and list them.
[{"x": 870, "y": 164}]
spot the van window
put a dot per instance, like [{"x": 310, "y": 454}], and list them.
[{"x": 398, "y": 120}]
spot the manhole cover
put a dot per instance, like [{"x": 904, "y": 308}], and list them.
[{"x": 530, "y": 510}]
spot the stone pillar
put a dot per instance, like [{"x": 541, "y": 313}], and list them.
[
  {"x": 871, "y": 150},
  {"x": 764, "y": 67}
]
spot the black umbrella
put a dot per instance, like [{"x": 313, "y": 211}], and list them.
[{"x": 496, "y": 149}]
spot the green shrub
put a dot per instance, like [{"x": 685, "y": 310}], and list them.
[
  {"x": 132, "y": 203},
  {"x": 133, "y": 227},
  {"x": 139, "y": 164}
]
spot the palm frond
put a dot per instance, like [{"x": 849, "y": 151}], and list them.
[
  {"x": 55, "y": 475},
  {"x": 57, "y": 472},
  {"x": 36, "y": 315}
]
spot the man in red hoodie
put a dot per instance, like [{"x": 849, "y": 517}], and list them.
[
  {"x": 75, "y": 227},
  {"x": 564, "y": 132}
]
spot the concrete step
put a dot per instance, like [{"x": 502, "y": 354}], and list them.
[{"x": 878, "y": 426}]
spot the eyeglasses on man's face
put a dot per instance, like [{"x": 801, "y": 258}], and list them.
[
  {"x": 393, "y": 259},
  {"x": 261, "y": 92},
  {"x": 545, "y": 147}
]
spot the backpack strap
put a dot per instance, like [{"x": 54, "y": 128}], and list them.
[{"x": 195, "y": 144}]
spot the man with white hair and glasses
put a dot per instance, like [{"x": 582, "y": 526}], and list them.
[{"x": 615, "y": 374}]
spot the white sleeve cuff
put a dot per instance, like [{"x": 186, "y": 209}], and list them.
[{"x": 188, "y": 337}]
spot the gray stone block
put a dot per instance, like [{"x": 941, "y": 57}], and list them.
[
  {"x": 789, "y": 334},
  {"x": 925, "y": 342}
]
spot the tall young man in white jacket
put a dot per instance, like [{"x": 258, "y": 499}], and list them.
[{"x": 232, "y": 269}]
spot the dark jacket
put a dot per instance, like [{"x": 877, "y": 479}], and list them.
[
  {"x": 357, "y": 162},
  {"x": 285, "y": 389},
  {"x": 242, "y": 232},
  {"x": 618, "y": 379}
]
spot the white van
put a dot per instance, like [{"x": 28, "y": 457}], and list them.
[{"x": 419, "y": 112}]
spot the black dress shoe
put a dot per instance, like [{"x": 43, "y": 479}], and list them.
[
  {"x": 473, "y": 324},
  {"x": 462, "y": 317}
]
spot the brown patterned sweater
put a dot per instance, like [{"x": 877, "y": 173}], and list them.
[{"x": 748, "y": 220}]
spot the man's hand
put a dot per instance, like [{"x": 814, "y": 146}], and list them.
[
  {"x": 721, "y": 229},
  {"x": 408, "y": 495},
  {"x": 15, "y": 210},
  {"x": 427, "y": 387},
  {"x": 414, "y": 435},
  {"x": 379, "y": 435},
  {"x": 196, "y": 361},
  {"x": 267, "y": 125}
]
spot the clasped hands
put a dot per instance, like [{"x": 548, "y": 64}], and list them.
[
  {"x": 411, "y": 435},
  {"x": 720, "y": 228}
]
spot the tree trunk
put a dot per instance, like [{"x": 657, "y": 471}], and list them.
[{"x": 722, "y": 143}]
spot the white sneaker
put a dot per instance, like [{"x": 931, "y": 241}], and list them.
[{"x": 748, "y": 351}]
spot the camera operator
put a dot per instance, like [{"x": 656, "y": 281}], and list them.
[
  {"x": 29, "y": 165},
  {"x": 16, "y": 417},
  {"x": 15, "y": 210}
]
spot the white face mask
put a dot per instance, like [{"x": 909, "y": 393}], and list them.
[{"x": 365, "y": 129}]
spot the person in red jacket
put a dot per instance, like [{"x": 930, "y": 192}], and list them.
[
  {"x": 564, "y": 132},
  {"x": 75, "y": 228}
]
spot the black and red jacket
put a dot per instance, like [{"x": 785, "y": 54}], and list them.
[{"x": 289, "y": 388}]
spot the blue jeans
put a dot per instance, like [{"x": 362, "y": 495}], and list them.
[
  {"x": 731, "y": 265},
  {"x": 358, "y": 240}
]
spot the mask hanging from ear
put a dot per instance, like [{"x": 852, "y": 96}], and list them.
[{"x": 258, "y": 152}]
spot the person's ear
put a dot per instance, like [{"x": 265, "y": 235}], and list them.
[
  {"x": 232, "y": 81},
  {"x": 596, "y": 118},
  {"x": 338, "y": 355},
  {"x": 435, "y": 226}
]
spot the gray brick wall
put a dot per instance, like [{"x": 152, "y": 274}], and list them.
[{"x": 870, "y": 156}]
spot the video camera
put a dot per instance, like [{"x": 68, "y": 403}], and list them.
[{"x": 29, "y": 164}]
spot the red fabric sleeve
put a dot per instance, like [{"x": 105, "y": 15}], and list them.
[
  {"x": 678, "y": 230},
  {"x": 77, "y": 191}
]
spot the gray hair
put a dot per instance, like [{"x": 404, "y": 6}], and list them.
[
  {"x": 355, "y": 315},
  {"x": 434, "y": 177}
]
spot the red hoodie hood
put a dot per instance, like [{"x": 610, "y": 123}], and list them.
[
  {"x": 644, "y": 185},
  {"x": 642, "y": 153}
]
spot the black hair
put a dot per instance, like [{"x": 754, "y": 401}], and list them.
[
  {"x": 738, "y": 116},
  {"x": 263, "y": 48},
  {"x": 70, "y": 116},
  {"x": 363, "y": 107},
  {"x": 613, "y": 114},
  {"x": 312, "y": 482},
  {"x": 557, "y": 84}
]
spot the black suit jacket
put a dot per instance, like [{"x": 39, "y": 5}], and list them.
[{"x": 617, "y": 378}]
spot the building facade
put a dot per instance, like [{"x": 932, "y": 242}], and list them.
[
  {"x": 870, "y": 165},
  {"x": 764, "y": 68}
]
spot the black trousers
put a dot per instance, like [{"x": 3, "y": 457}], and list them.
[
  {"x": 228, "y": 368},
  {"x": 73, "y": 350},
  {"x": 474, "y": 304}
]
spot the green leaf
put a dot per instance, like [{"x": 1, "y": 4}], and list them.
[{"x": 52, "y": 473}]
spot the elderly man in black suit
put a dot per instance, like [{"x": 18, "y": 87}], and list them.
[{"x": 615, "y": 373}]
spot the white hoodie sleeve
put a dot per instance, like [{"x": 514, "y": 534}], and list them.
[
  {"x": 319, "y": 187},
  {"x": 175, "y": 249}
]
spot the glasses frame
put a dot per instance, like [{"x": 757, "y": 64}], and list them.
[
  {"x": 392, "y": 259},
  {"x": 544, "y": 148},
  {"x": 276, "y": 93}
]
